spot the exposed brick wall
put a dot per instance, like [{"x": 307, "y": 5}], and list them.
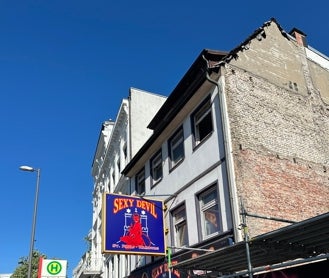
[
  {"x": 265, "y": 116},
  {"x": 275, "y": 187},
  {"x": 280, "y": 143}
]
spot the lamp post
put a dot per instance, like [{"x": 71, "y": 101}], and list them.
[{"x": 31, "y": 169}]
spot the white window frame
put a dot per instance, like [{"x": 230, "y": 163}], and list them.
[
  {"x": 200, "y": 117},
  {"x": 209, "y": 213},
  {"x": 176, "y": 142},
  {"x": 156, "y": 168},
  {"x": 179, "y": 223},
  {"x": 140, "y": 182}
]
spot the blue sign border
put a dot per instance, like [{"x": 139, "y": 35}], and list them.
[{"x": 133, "y": 225}]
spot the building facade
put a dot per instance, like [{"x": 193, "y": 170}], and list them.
[
  {"x": 237, "y": 151},
  {"x": 240, "y": 143},
  {"x": 118, "y": 141}
]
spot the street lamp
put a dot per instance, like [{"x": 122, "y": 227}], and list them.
[{"x": 31, "y": 169}]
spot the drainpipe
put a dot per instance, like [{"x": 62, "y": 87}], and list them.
[
  {"x": 220, "y": 84},
  {"x": 129, "y": 156}
]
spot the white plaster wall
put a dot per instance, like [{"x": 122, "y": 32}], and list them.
[
  {"x": 113, "y": 136},
  {"x": 189, "y": 195},
  {"x": 197, "y": 171},
  {"x": 143, "y": 107},
  {"x": 195, "y": 161}
]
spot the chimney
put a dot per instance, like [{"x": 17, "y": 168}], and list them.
[{"x": 299, "y": 36}]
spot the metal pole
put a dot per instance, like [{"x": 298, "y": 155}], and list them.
[
  {"x": 29, "y": 273},
  {"x": 270, "y": 218},
  {"x": 169, "y": 261},
  {"x": 246, "y": 239}
]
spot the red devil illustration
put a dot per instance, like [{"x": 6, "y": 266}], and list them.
[{"x": 134, "y": 233}]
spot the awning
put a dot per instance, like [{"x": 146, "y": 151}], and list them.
[{"x": 302, "y": 240}]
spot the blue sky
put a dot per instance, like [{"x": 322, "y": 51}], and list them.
[{"x": 65, "y": 65}]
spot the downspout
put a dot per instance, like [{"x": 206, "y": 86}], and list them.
[
  {"x": 220, "y": 84},
  {"x": 129, "y": 155}
]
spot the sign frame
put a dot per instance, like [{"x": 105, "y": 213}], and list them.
[
  {"x": 133, "y": 225},
  {"x": 52, "y": 268}
]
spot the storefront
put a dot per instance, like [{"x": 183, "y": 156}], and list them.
[
  {"x": 300, "y": 250},
  {"x": 300, "y": 246},
  {"x": 310, "y": 270},
  {"x": 160, "y": 268}
]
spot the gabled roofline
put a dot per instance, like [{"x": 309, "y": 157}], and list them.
[
  {"x": 258, "y": 33},
  {"x": 182, "y": 91},
  {"x": 185, "y": 89},
  {"x": 193, "y": 78},
  {"x": 199, "y": 63},
  {"x": 103, "y": 125}
]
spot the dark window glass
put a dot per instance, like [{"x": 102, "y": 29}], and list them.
[
  {"x": 202, "y": 121},
  {"x": 156, "y": 168},
  {"x": 140, "y": 182},
  {"x": 176, "y": 147}
]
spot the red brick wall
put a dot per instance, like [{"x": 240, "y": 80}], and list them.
[
  {"x": 280, "y": 142},
  {"x": 281, "y": 188}
]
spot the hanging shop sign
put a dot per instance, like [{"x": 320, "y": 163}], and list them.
[{"x": 133, "y": 225}]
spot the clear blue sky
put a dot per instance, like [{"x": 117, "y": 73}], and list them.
[{"x": 65, "y": 65}]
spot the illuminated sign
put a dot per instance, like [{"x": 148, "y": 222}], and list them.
[{"x": 133, "y": 225}]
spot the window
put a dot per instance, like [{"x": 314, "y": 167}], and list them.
[
  {"x": 118, "y": 167},
  {"x": 140, "y": 182},
  {"x": 124, "y": 152},
  {"x": 180, "y": 227},
  {"x": 156, "y": 168},
  {"x": 202, "y": 122},
  {"x": 113, "y": 178},
  {"x": 209, "y": 212},
  {"x": 176, "y": 148}
]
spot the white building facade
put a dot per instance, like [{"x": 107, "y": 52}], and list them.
[
  {"x": 118, "y": 142},
  {"x": 184, "y": 163}
]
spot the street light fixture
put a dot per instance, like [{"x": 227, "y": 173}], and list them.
[{"x": 31, "y": 169}]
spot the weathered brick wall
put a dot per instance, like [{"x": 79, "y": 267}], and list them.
[
  {"x": 280, "y": 144},
  {"x": 282, "y": 188}
]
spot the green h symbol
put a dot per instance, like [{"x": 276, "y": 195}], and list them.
[{"x": 54, "y": 267}]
